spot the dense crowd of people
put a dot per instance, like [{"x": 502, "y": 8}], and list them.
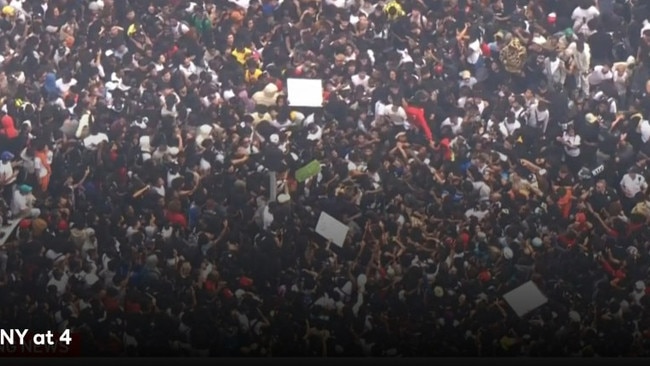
[{"x": 149, "y": 155}]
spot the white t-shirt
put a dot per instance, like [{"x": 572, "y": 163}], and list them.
[
  {"x": 28, "y": 162},
  {"x": 518, "y": 112},
  {"x": 632, "y": 186},
  {"x": 574, "y": 149},
  {"x": 379, "y": 108},
  {"x": 171, "y": 177},
  {"x": 476, "y": 213},
  {"x": 60, "y": 284},
  {"x": 357, "y": 80},
  {"x": 475, "y": 53},
  {"x": 481, "y": 106},
  {"x": 282, "y": 126},
  {"x": 507, "y": 129},
  {"x": 91, "y": 142},
  {"x": 267, "y": 217},
  {"x": 340, "y": 3},
  {"x": 397, "y": 117},
  {"x": 39, "y": 168},
  {"x": 620, "y": 82},
  {"x": 468, "y": 83},
  {"x": 455, "y": 125},
  {"x": 6, "y": 171},
  {"x": 537, "y": 118},
  {"x": 159, "y": 190},
  {"x": 20, "y": 202},
  {"x": 597, "y": 76},
  {"x": 644, "y": 128},
  {"x": 580, "y": 14},
  {"x": 180, "y": 29},
  {"x": 65, "y": 87},
  {"x": 352, "y": 166},
  {"x": 204, "y": 165},
  {"x": 461, "y": 102},
  {"x": 188, "y": 71}
]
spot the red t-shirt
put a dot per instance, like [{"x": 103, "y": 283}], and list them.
[
  {"x": 176, "y": 218},
  {"x": 111, "y": 304},
  {"x": 132, "y": 307}
]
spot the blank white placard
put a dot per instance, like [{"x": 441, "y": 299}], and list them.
[
  {"x": 305, "y": 92},
  {"x": 525, "y": 298},
  {"x": 332, "y": 229},
  {"x": 241, "y": 3}
]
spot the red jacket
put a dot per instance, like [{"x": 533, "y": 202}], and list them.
[
  {"x": 7, "y": 127},
  {"x": 416, "y": 116}
]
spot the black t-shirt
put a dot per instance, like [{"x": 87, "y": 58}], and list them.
[
  {"x": 401, "y": 27},
  {"x": 645, "y": 149},
  {"x": 273, "y": 158},
  {"x": 509, "y": 6},
  {"x": 601, "y": 200},
  {"x": 644, "y": 52},
  {"x": 340, "y": 29},
  {"x": 377, "y": 18},
  {"x": 601, "y": 44},
  {"x": 589, "y": 132},
  {"x": 633, "y": 30},
  {"x": 5, "y": 25},
  {"x": 566, "y": 181}
]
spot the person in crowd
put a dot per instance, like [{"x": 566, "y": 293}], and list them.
[{"x": 165, "y": 193}]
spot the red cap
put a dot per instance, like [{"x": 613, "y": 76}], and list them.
[
  {"x": 227, "y": 293},
  {"x": 63, "y": 225},
  {"x": 438, "y": 69},
  {"x": 485, "y": 276},
  {"x": 210, "y": 285},
  {"x": 245, "y": 281},
  {"x": 581, "y": 218},
  {"x": 25, "y": 224}
]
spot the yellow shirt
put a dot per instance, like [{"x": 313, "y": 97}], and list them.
[
  {"x": 241, "y": 56},
  {"x": 398, "y": 7},
  {"x": 257, "y": 118},
  {"x": 251, "y": 77}
]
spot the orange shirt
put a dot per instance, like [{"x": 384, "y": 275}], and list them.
[{"x": 565, "y": 203}]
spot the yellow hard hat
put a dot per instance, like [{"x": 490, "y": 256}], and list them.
[{"x": 8, "y": 11}]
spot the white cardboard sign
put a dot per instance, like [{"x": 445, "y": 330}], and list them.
[
  {"x": 525, "y": 298},
  {"x": 305, "y": 92},
  {"x": 332, "y": 229}
]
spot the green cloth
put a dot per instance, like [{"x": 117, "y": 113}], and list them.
[
  {"x": 308, "y": 171},
  {"x": 201, "y": 25}
]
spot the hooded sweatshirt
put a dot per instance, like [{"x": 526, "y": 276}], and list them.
[{"x": 8, "y": 129}]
